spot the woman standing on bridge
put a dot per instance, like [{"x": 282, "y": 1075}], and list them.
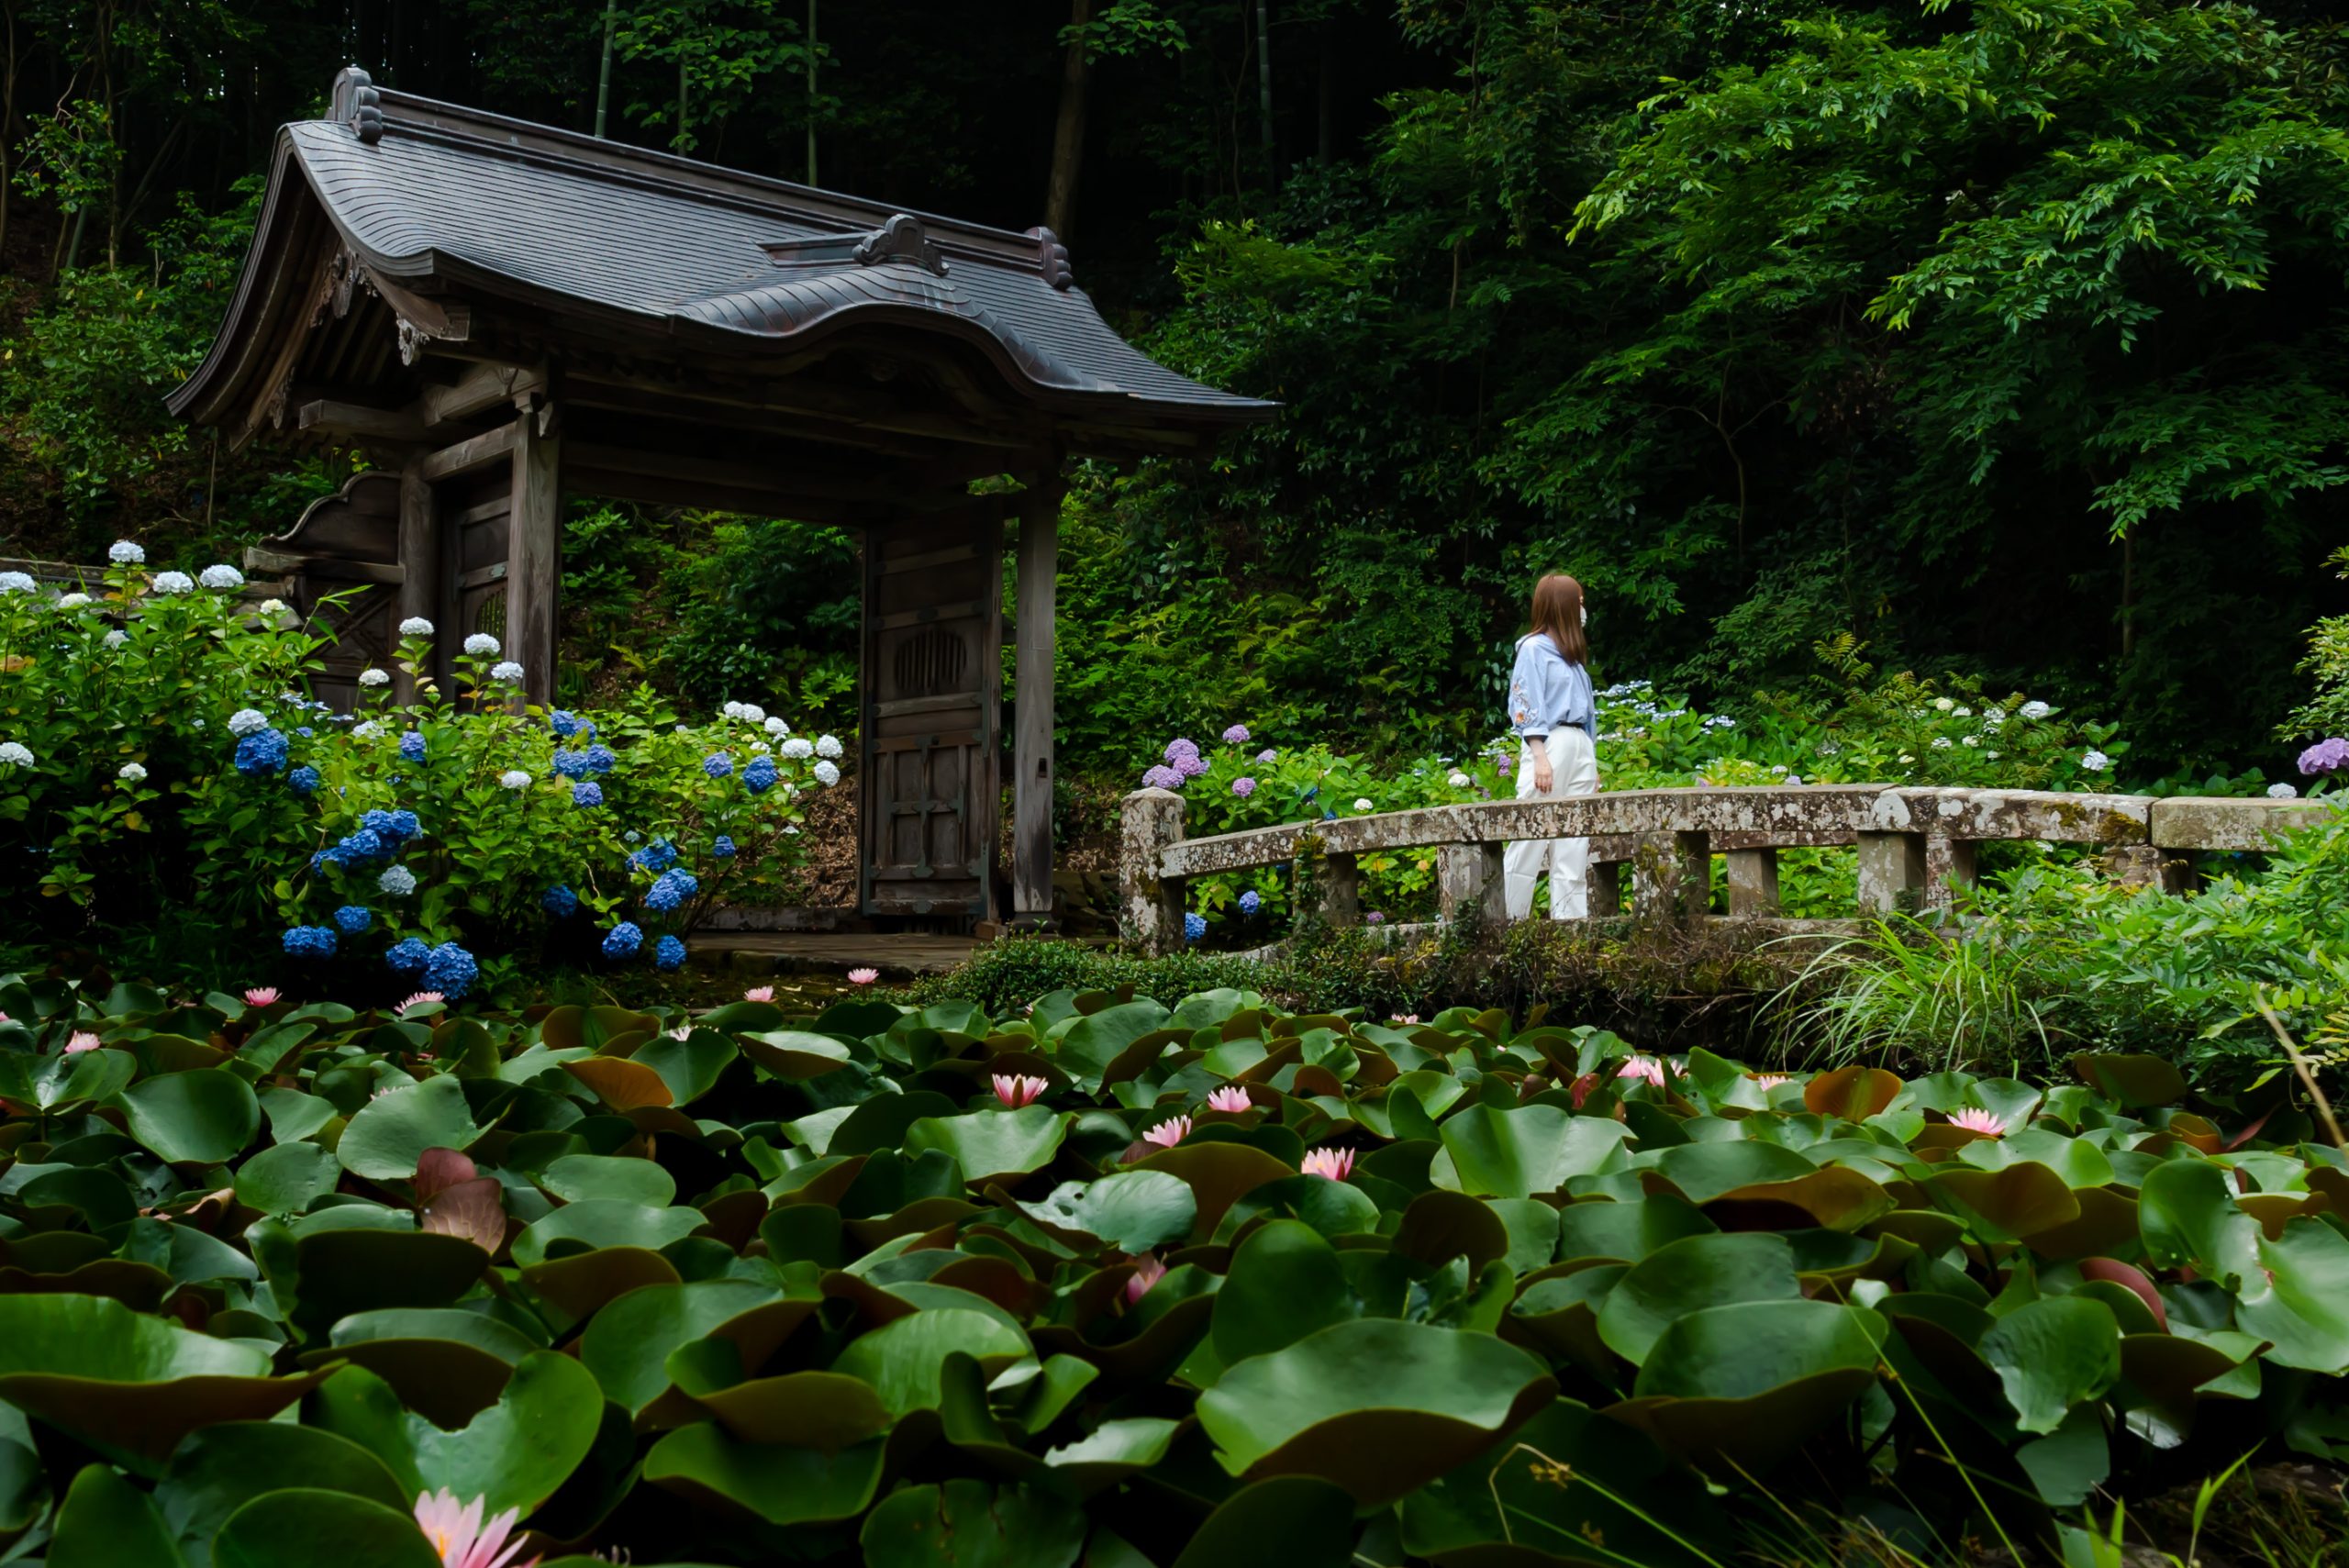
[{"x": 1552, "y": 712}]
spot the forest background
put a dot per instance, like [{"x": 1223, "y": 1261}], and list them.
[{"x": 2006, "y": 336}]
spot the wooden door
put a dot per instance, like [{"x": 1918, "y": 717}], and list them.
[{"x": 930, "y": 781}]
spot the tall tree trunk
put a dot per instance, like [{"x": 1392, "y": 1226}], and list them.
[
  {"x": 1068, "y": 129},
  {"x": 604, "y": 75},
  {"x": 811, "y": 93},
  {"x": 1325, "y": 112},
  {"x": 1264, "y": 87},
  {"x": 7, "y": 116}
]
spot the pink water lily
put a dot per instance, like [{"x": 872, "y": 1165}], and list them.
[
  {"x": 1765, "y": 1082},
  {"x": 420, "y": 999},
  {"x": 863, "y": 976},
  {"x": 1231, "y": 1098},
  {"x": 1020, "y": 1089},
  {"x": 1404, "y": 1020},
  {"x": 83, "y": 1041},
  {"x": 1167, "y": 1134},
  {"x": 1977, "y": 1120},
  {"x": 260, "y": 997},
  {"x": 1648, "y": 1067},
  {"x": 1336, "y": 1164},
  {"x": 458, "y": 1534},
  {"x": 759, "y": 993},
  {"x": 1148, "y": 1272}
]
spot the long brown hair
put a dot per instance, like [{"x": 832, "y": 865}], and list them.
[{"x": 1557, "y": 615}]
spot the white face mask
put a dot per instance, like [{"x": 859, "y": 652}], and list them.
[{"x": 1585, "y": 609}]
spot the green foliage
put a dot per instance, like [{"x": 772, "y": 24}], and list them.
[
  {"x": 1416, "y": 1292},
  {"x": 133, "y": 708}
]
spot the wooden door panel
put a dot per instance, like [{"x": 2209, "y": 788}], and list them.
[{"x": 932, "y": 665}]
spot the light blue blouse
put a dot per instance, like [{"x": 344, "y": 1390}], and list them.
[{"x": 1545, "y": 693}]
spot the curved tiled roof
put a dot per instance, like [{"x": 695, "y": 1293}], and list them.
[{"x": 493, "y": 205}]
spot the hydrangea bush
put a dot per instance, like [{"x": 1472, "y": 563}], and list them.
[{"x": 169, "y": 782}]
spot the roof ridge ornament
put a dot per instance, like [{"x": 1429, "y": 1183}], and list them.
[
  {"x": 357, "y": 104},
  {"x": 1051, "y": 259},
  {"x": 901, "y": 238}
]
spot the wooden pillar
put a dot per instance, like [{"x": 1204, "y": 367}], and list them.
[
  {"x": 420, "y": 563},
  {"x": 534, "y": 547},
  {"x": 1034, "y": 608},
  {"x": 1753, "y": 881},
  {"x": 1152, "y": 819}
]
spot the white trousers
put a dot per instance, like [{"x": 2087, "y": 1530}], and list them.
[{"x": 1574, "y": 767}]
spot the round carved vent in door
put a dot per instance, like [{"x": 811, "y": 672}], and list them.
[{"x": 930, "y": 664}]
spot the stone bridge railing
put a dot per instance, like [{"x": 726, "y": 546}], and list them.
[{"x": 1916, "y": 847}]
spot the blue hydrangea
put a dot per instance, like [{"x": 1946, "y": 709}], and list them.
[
  {"x": 354, "y": 919},
  {"x": 760, "y": 777},
  {"x": 723, "y": 848},
  {"x": 656, "y": 857},
  {"x": 304, "y": 731},
  {"x": 309, "y": 941},
  {"x": 358, "y": 849},
  {"x": 669, "y": 952},
  {"x": 1194, "y": 927},
  {"x": 412, "y": 746},
  {"x": 600, "y": 760},
  {"x": 673, "y": 888},
  {"x": 1250, "y": 902},
  {"x": 263, "y": 751},
  {"x": 560, "y": 902},
  {"x": 303, "y": 781},
  {"x": 407, "y": 955},
  {"x": 622, "y": 941},
  {"x": 717, "y": 765},
  {"x": 566, "y": 724},
  {"x": 588, "y": 794},
  {"x": 571, "y": 764},
  {"x": 451, "y": 970},
  {"x": 393, "y": 827}
]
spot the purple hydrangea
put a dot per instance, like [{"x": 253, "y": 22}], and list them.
[
  {"x": 1161, "y": 777},
  {"x": 1178, "y": 748},
  {"x": 1236, "y": 736},
  {"x": 1267, "y": 756},
  {"x": 1190, "y": 766},
  {"x": 2329, "y": 756},
  {"x": 1375, "y": 917},
  {"x": 1244, "y": 788}
]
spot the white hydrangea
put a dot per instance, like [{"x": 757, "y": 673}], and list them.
[
  {"x": 1941, "y": 742},
  {"x": 1943, "y": 704},
  {"x": 1459, "y": 781},
  {"x": 777, "y": 727},
  {"x": 1974, "y": 740},
  {"x": 71, "y": 601},
  {"x": 131, "y": 773},
  {"x": 732, "y": 710},
  {"x": 1364, "y": 806},
  {"x": 122, "y": 552},
  {"x": 827, "y": 775},
  {"x": 17, "y": 582},
  {"x": 374, "y": 677},
  {"x": 397, "y": 880},
  {"x": 797, "y": 749},
  {"x": 13, "y": 755},
  {"x": 506, "y": 671},
  {"x": 222, "y": 577},
  {"x": 2035, "y": 709},
  {"x": 1962, "y": 712},
  {"x": 2095, "y": 761},
  {"x": 828, "y": 745},
  {"x": 753, "y": 714},
  {"x": 481, "y": 645},
  {"x": 513, "y": 778},
  {"x": 173, "y": 583},
  {"x": 2282, "y": 791},
  {"x": 246, "y": 720},
  {"x": 416, "y": 626},
  {"x": 366, "y": 729},
  {"x": 116, "y": 637},
  {"x": 759, "y": 747}
]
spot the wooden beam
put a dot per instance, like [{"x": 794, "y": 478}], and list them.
[
  {"x": 1033, "y": 613},
  {"x": 419, "y": 559},
  {"x": 479, "y": 452},
  {"x": 485, "y": 386},
  {"x": 262, "y": 559},
  {"x": 534, "y": 553},
  {"x": 358, "y": 422}
]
